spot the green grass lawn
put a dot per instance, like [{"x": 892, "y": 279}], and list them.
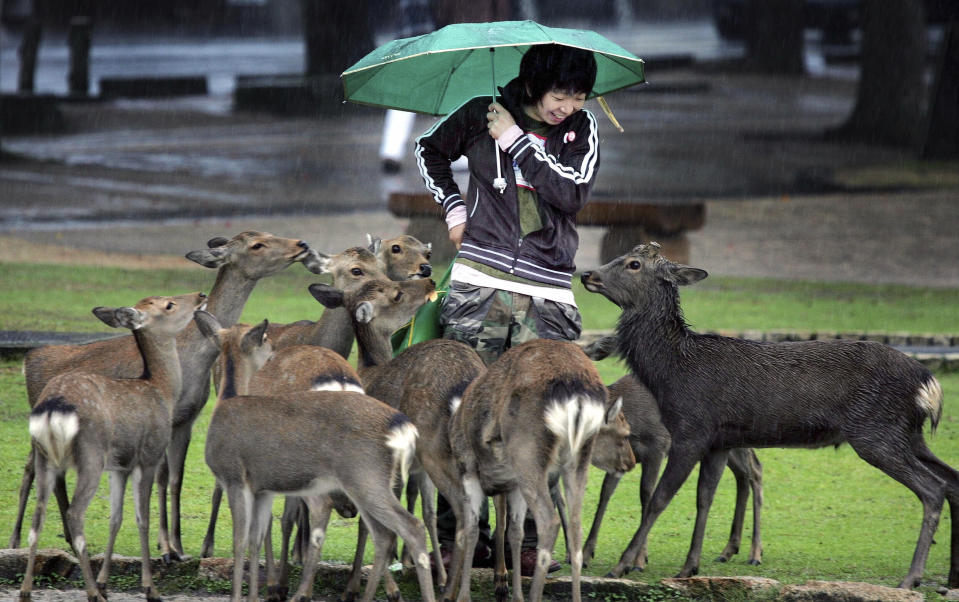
[{"x": 827, "y": 514}]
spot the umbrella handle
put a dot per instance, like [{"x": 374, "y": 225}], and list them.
[{"x": 500, "y": 182}]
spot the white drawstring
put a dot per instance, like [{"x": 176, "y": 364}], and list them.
[{"x": 500, "y": 182}]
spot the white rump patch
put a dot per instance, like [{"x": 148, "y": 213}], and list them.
[
  {"x": 929, "y": 400},
  {"x": 53, "y": 432},
  {"x": 402, "y": 440},
  {"x": 575, "y": 420},
  {"x": 335, "y": 385}
]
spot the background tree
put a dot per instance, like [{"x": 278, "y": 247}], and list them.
[
  {"x": 774, "y": 36},
  {"x": 889, "y": 99}
]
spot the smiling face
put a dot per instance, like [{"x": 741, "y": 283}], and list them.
[{"x": 555, "y": 106}]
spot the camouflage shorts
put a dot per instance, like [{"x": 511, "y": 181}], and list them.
[{"x": 492, "y": 320}]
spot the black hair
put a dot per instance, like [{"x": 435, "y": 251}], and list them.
[{"x": 548, "y": 67}]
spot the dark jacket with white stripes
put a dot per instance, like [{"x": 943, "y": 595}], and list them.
[{"x": 562, "y": 174}]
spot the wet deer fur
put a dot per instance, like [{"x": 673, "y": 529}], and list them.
[
  {"x": 94, "y": 423},
  {"x": 717, "y": 393}
]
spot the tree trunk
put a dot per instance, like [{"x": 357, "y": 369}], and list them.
[
  {"x": 889, "y": 98},
  {"x": 774, "y": 36},
  {"x": 337, "y": 33}
]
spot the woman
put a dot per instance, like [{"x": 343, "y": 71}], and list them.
[{"x": 511, "y": 281}]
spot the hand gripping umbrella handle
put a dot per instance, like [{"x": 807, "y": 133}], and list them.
[{"x": 500, "y": 182}]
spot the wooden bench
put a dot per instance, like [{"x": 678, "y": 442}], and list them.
[{"x": 627, "y": 223}]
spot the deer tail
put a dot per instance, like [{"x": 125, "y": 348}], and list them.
[
  {"x": 929, "y": 400},
  {"x": 53, "y": 426},
  {"x": 402, "y": 440},
  {"x": 575, "y": 420}
]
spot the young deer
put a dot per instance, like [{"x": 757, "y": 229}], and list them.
[
  {"x": 240, "y": 263},
  {"x": 311, "y": 444},
  {"x": 424, "y": 382},
  {"x": 405, "y": 257},
  {"x": 650, "y": 440},
  {"x": 532, "y": 415},
  {"x": 122, "y": 425},
  {"x": 249, "y": 366},
  {"x": 717, "y": 393}
]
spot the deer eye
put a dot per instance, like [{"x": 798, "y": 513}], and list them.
[
  {"x": 634, "y": 265},
  {"x": 356, "y": 272},
  {"x": 429, "y": 254},
  {"x": 257, "y": 246},
  {"x": 170, "y": 305},
  {"x": 396, "y": 249},
  {"x": 399, "y": 295}
]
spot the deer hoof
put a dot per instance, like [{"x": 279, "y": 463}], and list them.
[
  {"x": 277, "y": 593},
  {"x": 24, "y": 596},
  {"x": 722, "y": 559},
  {"x": 348, "y": 596},
  {"x": 102, "y": 589},
  {"x": 754, "y": 562},
  {"x": 394, "y": 597}
]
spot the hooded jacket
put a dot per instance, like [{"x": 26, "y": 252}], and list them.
[{"x": 562, "y": 174}]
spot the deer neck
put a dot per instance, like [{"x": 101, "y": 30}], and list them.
[
  {"x": 226, "y": 300},
  {"x": 652, "y": 340},
  {"x": 374, "y": 352},
  {"x": 235, "y": 378},
  {"x": 161, "y": 363},
  {"x": 333, "y": 330}
]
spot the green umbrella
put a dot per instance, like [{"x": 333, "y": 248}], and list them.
[{"x": 436, "y": 72}]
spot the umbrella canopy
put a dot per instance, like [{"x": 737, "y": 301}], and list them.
[{"x": 436, "y": 72}]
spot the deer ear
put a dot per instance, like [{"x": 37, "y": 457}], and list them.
[
  {"x": 255, "y": 337},
  {"x": 208, "y": 258},
  {"x": 614, "y": 410},
  {"x": 330, "y": 297},
  {"x": 120, "y": 317},
  {"x": 217, "y": 241},
  {"x": 683, "y": 275},
  {"x": 316, "y": 262},
  {"x": 364, "y": 312},
  {"x": 208, "y": 324},
  {"x": 374, "y": 243}
]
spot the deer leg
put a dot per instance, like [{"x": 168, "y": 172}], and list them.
[
  {"x": 142, "y": 487},
  {"x": 557, "y": 496},
  {"x": 63, "y": 503},
  {"x": 118, "y": 487},
  {"x": 300, "y": 517},
  {"x": 86, "y": 488},
  {"x": 397, "y": 520},
  {"x": 547, "y": 529},
  {"x": 467, "y": 532},
  {"x": 356, "y": 572},
  {"x": 651, "y": 462},
  {"x": 427, "y": 492},
  {"x": 44, "y": 479},
  {"x": 904, "y": 465},
  {"x": 259, "y": 525},
  {"x": 610, "y": 481},
  {"x": 412, "y": 493},
  {"x": 678, "y": 467},
  {"x": 319, "y": 508},
  {"x": 951, "y": 478},
  {"x": 383, "y": 541},
  {"x": 515, "y": 518},
  {"x": 25, "y": 483},
  {"x": 278, "y": 587},
  {"x": 711, "y": 469},
  {"x": 756, "y": 483},
  {"x": 206, "y": 551},
  {"x": 500, "y": 575},
  {"x": 176, "y": 455},
  {"x": 574, "y": 484},
  {"x": 240, "y": 499}
]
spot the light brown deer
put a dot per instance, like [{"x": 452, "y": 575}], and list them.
[
  {"x": 424, "y": 382},
  {"x": 96, "y": 423},
  {"x": 250, "y": 366},
  {"x": 400, "y": 258},
  {"x": 311, "y": 444},
  {"x": 240, "y": 263}
]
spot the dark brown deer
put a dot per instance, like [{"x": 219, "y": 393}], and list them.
[
  {"x": 718, "y": 393},
  {"x": 650, "y": 443},
  {"x": 240, "y": 263},
  {"x": 95, "y": 423},
  {"x": 311, "y": 444}
]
